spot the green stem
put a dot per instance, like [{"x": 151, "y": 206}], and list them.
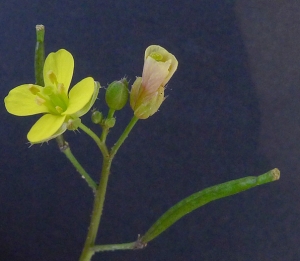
[
  {"x": 80, "y": 169},
  {"x": 124, "y": 135},
  {"x": 112, "y": 247},
  {"x": 93, "y": 135},
  {"x": 88, "y": 249},
  {"x": 110, "y": 113},
  {"x": 39, "y": 55},
  {"x": 106, "y": 128},
  {"x": 65, "y": 148}
]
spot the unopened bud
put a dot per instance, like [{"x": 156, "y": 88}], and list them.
[
  {"x": 97, "y": 117},
  {"x": 116, "y": 94},
  {"x": 110, "y": 122}
]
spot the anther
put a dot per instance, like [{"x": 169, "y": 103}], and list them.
[
  {"x": 39, "y": 100},
  {"x": 51, "y": 75},
  {"x": 60, "y": 88},
  {"x": 33, "y": 89},
  {"x": 59, "y": 109},
  {"x": 156, "y": 56}
]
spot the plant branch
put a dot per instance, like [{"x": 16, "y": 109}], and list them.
[
  {"x": 124, "y": 135},
  {"x": 123, "y": 246},
  {"x": 92, "y": 134},
  {"x": 88, "y": 250}
]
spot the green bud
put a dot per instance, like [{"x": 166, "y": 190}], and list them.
[
  {"x": 116, "y": 94},
  {"x": 110, "y": 122},
  {"x": 97, "y": 117}
]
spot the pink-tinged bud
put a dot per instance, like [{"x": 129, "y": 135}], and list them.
[{"x": 147, "y": 92}]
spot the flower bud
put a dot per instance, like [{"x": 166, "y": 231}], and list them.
[
  {"x": 97, "y": 117},
  {"x": 116, "y": 94},
  {"x": 110, "y": 122},
  {"x": 147, "y": 92}
]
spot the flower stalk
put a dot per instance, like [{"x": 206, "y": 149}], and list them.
[
  {"x": 105, "y": 127},
  {"x": 89, "y": 250},
  {"x": 67, "y": 151},
  {"x": 101, "y": 145},
  {"x": 113, "y": 247}
]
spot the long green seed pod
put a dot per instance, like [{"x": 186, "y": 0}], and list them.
[
  {"x": 203, "y": 197},
  {"x": 39, "y": 56}
]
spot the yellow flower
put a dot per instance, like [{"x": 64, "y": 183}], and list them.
[
  {"x": 62, "y": 108},
  {"x": 147, "y": 92}
]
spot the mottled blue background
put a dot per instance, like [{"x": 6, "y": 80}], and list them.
[{"x": 232, "y": 111}]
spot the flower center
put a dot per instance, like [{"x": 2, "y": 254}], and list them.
[
  {"x": 54, "y": 97},
  {"x": 156, "y": 56}
]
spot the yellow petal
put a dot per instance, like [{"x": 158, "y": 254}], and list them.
[
  {"x": 21, "y": 102},
  {"x": 91, "y": 102},
  {"x": 61, "y": 63},
  {"x": 80, "y": 95},
  {"x": 46, "y": 128}
]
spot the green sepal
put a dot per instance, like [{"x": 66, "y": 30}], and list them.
[
  {"x": 203, "y": 197},
  {"x": 73, "y": 124}
]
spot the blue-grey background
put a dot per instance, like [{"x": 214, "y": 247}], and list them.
[{"x": 232, "y": 111}]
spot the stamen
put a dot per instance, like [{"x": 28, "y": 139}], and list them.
[
  {"x": 51, "y": 75},
  {"x": 59, "y": 109},
  {"x": 33, "y": 89},
  {"x": 46, "y": 100},
  {"x": 39, "y": 100},
  {"x": 62, "y": 93},
  {"x": 60, "y": 88},
  {"x": 48, "y": 90},
  {"x": 156, "y": 56}
]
